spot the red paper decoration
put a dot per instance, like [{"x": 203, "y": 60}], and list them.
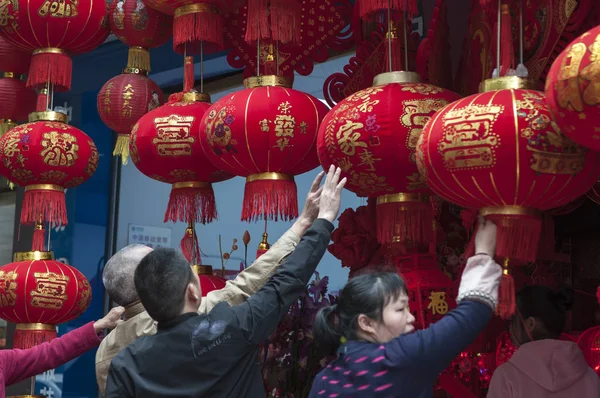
[
  {"x": 372, "y": 135},
  {"x": 208, "y": 281},
  {"x": 266, "y": 133},
  {"x": 53, "y": 29},
  {"x": 38, "y": 293},
  {"x": 46, "y": 156},
  {"x": 13, "y": 59},
  {"x": 500, "y": 152},
  {"x": 16, "y": 101},
  {"x": 165, "y": 146},
  {"x": 123, "y": 100},
  {"x": 573, "y": 90}
]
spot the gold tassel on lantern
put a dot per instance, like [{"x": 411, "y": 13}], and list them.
[
  {"x": 5, "y": 125},
  {"x": 138, "y": 58}
]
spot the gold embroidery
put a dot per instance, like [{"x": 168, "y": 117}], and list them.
[
  {"x": 127, "y": 95},
  {"x": 174, "y": 136},
  {"x": 86, "y": 297},
  {"x": 6, "y": 17},
  {"x": 423, "y": 89},
  {"x": 367, "y": 159},
  {"x": 92, "y": 165},
  {"x": 438, "y": 304},
  {"x": 567, "y": 87},
  {"x": 591, "y": 94},
  {"x": 183, "y": 175},
  {"x": 369, "y": 182},
  {"x": 416, "y": 113},
  {"x": 75, "y": 181},
  {"x": 264, "y": 125},
  {"x": 59, "y": 8},
  {"x": 109, "y": 87},
  {"x": 8, "y": 287},
  {"x": 50, "y": 290},
  {"x": 53, "y": 176},
  {"x": 60, "y": 149},
  {"x": 57, "y": 126},
  {"x": 133, "y": 151},
  {"x": 348, "y": 137}
]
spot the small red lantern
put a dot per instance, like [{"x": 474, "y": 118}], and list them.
[
  {"x": 589, "y": 343},
  {"x": 500, "y": 152},
  {"x": 165, "y": 146},
  {"x": 266, "y": 133},
  {"x": 46, "y": 156},
  {"x": 53, "y": 29},
  {"x": 208, "y": 281},
  {"x": 16, "y": 101},
  {"x": 13, "y": 59},
  {"x": 572, "y": 90},
  {"x": 372, "y": 135},
  {"x": 37, "y": 293},
  {"x": 139, "y": 27},
  {"x": 123, "y": 100}
]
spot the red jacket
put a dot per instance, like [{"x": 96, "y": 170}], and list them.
[{"x": 17, "y": 365}]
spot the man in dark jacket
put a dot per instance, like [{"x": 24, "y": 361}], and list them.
[{"x": 213, "y": 355}]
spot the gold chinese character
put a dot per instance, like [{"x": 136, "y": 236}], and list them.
[
  {"x": 92, "y": 165},
  {"x": 8, "y": 287},
  {"x": 345, "y": 164},
  {"x": 591, "y": 94},
  {"x": 59, "y": 8},
  {"x": 437, "y": 303},
  {"x": 60, "y": 149},
  {"x": 264, "y": 125},
  {"x": 284, "y": 107},
  {"x": 348, "y": 137},
  {"x": 282, "y": 143},
  {"x": 567, "y": 87},
  {"x": 368, "y": 159},
  {"x": 173, "y": 135},
  {"x": 285, "y": 125},
  {"x": 50, "y": 290},
  {"x": 303, "y": 127},
  {"x": 127, "y": 95},
  {"x": 416, "y": 113}
]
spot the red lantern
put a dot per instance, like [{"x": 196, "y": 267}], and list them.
[
  {"x": 372, "y": 135},
  {"x": 53, "y": 29},
  {"x": 13, "y": 59},
  {"x": 46, "y": 156},
  {"x": 139, "y": 27},
  {"x": 266, "y": 133},
  {"x": 589, "y": 343},
  {"x": 37, "y": 293},
  {"x": 123, "y": 100},
  {"x": 165, "y": 146},
  {"x": 500, "y": 151},
  {"x": 208, "y": 281},
  {"x": 573, "y": 90},
  {"x": 16, "y": 101}
]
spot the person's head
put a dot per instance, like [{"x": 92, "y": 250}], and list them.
[
  {"x": 167, "y": 285},
  {"x": 117, "y": 276},
  {"x": 372, "y": 307},
  {"x": 541, "y": 313}
]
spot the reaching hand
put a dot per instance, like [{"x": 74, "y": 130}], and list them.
[
  {"x": 110, "y": 320},
  {"x": 485, "y": 239},
  {"x": 331, "y": 196},
  {"x": 311, "y": 206}
]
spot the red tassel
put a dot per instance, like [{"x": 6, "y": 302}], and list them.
[
  {"x": 192, "y": 26},
  {"x": 29, "y": 335},
  {"x": 285, "y": 21},
  {"x": 50, "y": 204},
  {"x": 393, "y": 51},
  {"x": 39, "y": 238},
  {"x": 368, "y": 7},
  {"x": 518, "y": 236},
  {"x": 507, "y": 55},
  {"x": 42, "y": 101},
  {"x": 191, "y": 202},
  {"x": 257, "y": 23},
  {"x": 398, "y": 222},
  {"x": 50, "y": 67},
  {"x": 270, "y": 199},
  {"x": 506, "y": 295},
  {"x": 189, "y": 245},
  {"x": 188, "y": 74}
]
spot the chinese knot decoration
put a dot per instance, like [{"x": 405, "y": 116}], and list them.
[
  {"x": 123, "y": 100},
  {"x": 500, "y": 152},
  {"x": 37, "y": 293},
  {"x": 372, "y": 135},
  {"x": 46, "y": 156},
  {"x": 53, "y": 29},
  {"x": 165, "y": 146},
  {"x": 573, "y": 90},
  {"x": 267, "y": 134}
]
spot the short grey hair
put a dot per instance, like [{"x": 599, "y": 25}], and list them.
[{"x": 118, "y": 273}]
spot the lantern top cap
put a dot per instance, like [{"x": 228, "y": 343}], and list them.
[
  {"x": 203, "y": 269},
  {"x": 509, "y": 211},
  {"x": 402, "y": 197},
  {"x": 33, "y": 256},
  {"x": 48, "y": 116},
  {"x": 268, "y": 81},
  {"x": 396, "y": 77},
  {"x": 505, "y": 83},
  {"x": 194, "y": 96},
  {"x": 135, "y": 71}
]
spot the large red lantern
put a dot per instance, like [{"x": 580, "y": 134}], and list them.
[
  {"x": 46, "y": 156},
  {"x": 139, "y": 27},
  {"x": 54, "y": 29},
  {"x": 208, "y": 281},
  {"x": 13, "y": 59},
  {"x": 500, "y": 152},
  {"x": 37, "y": 293},
  {"x": 372, "y": 135},
  {"x": 573, "y": 90},
  {"x": 16, "y": 101},
  {"x": 266, "y": 133},
  {"x": 165, "y": 146},
  {"x": 123, "y": 100}
]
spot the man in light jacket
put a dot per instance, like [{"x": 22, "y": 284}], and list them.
[{"x": 118, "y": 279}]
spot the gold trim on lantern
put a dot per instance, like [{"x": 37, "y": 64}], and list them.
[
  {"x": 268, "y": 81},
  {"x": 48, "y": 116},
  {"x": 44, "y": 187},
  {"x": 195, "y": 9},
  {"x": 195, "y": 96},
  {"x": 27, "y": 396},
  {"x": 508, "y": 211},
  {"x": 10, "y": 75},
  {"x": 35, "y": 326},
  {"x": 191, "y": 184},
  {"x": 33, "y": 256},
  {"x": 135, "y": 71},
  {"x": 396, "y": 77},
  {"x": 505, "y": 83},
  {"x": 402, "y": 197},
  {"x": 269, "y": 176},
  {"x": 203, "y": 269},
  {"x": 49, "y": 50}
]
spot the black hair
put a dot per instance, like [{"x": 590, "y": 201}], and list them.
[
  {"x": 161, "y": 280},
  {"x": 548, "y": 306},
  {"x": 366, "y": 294}
]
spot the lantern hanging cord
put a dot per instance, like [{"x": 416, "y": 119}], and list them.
[
  {"x": 521, "y": 31},
  {"x": 389, "y": 36},
  {"x": 202, "y": 66},
  {"x": 405, "y": 41}
]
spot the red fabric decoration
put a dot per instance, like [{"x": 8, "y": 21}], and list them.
[
  {"x": 16, "y": 101},
  {"x": 277, "y": 20},
  {"x": 208, "y": 281},
  {"x": 507, "y": 303},
  {"x": 165, "y": 146},
  {"x": 369, "y": 7},
  {"x": 372, "y": 135},
  {"x": 46, "y": 156},
  {"x": 267, "y": 134},
  {"x": 139, "y": 27},
  {"x": 13, "y": 59},
  {"x": 39, "y": 293},
  {"x": 500, "y": 152},
  {"x": 53, "y": 29},
  {"x": 123, "y": 100},
  {"x": 572, "y": 90}
]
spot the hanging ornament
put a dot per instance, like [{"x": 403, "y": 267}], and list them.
[
  {"x": 263, "y": 246},
  {"x": 16, "y": 101}
]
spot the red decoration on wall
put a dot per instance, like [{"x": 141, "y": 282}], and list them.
[
  {"x": 53, "y": 30},
  {"x": 572, "y": 91},
  {"x": 13, "y": 59},
  {"x": 16, "y": 101},
  {"x": 266, "y": 133},
  {"x": 38, "y": 293}
]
